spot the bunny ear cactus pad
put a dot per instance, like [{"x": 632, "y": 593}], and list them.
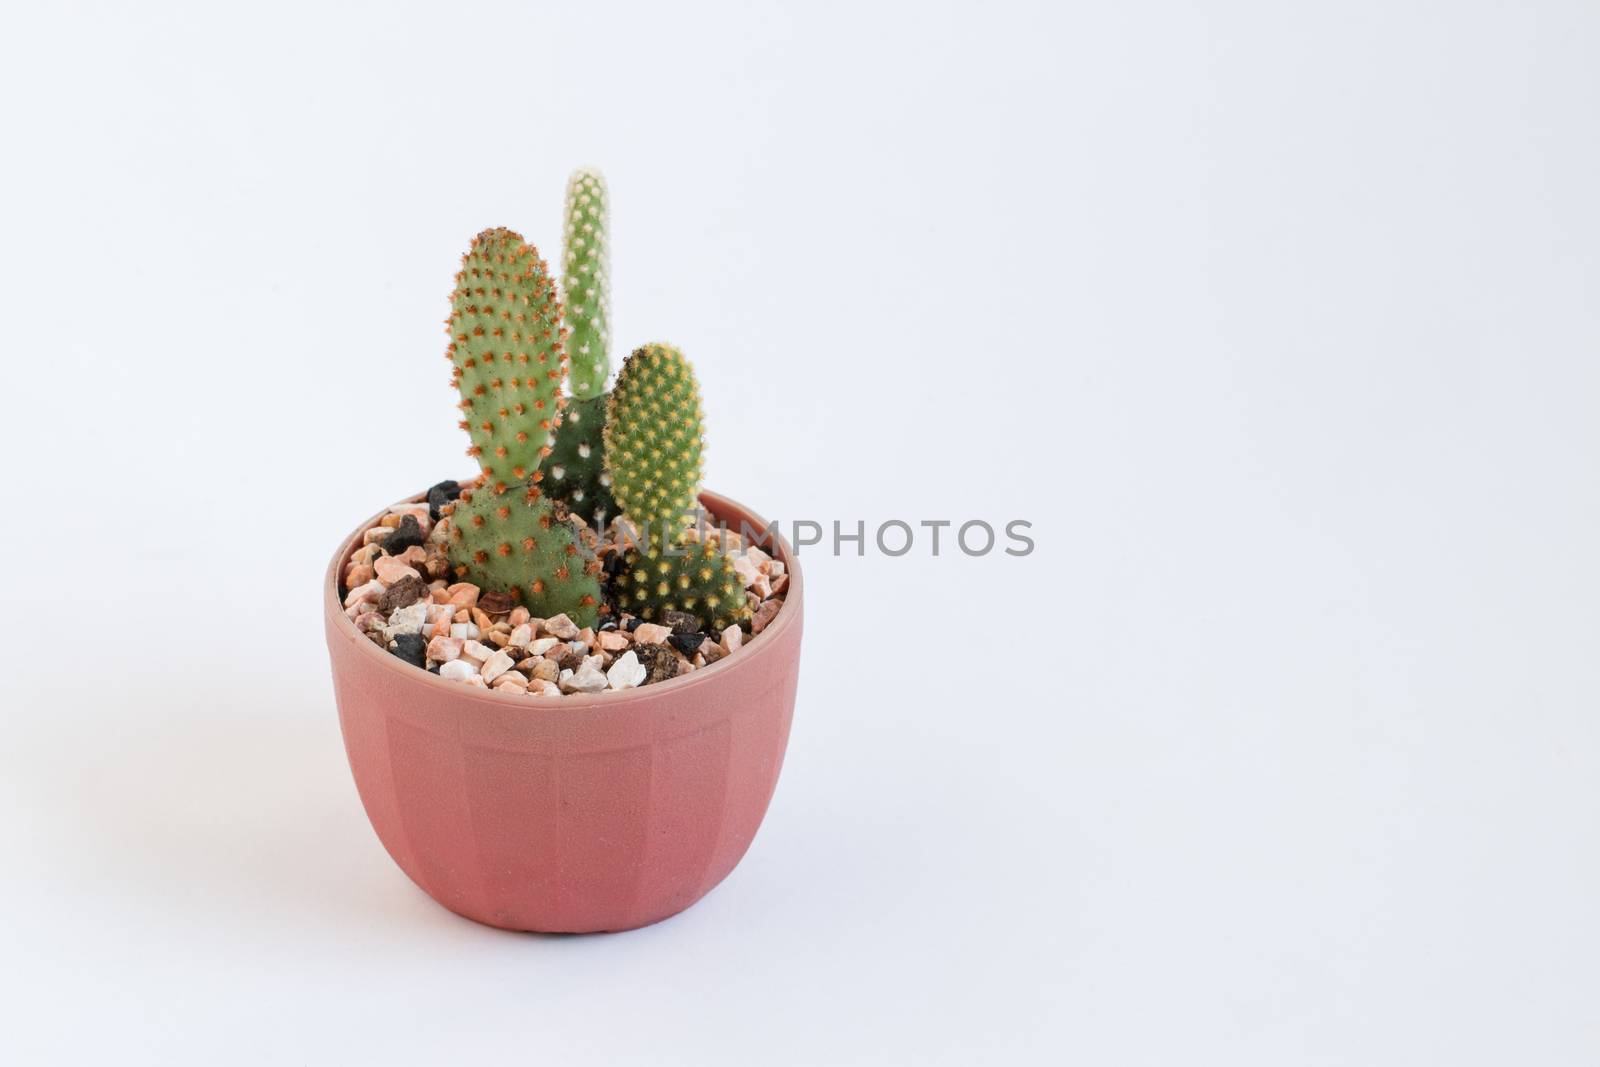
[
  {"x": 517, "y": 542},
  {"x": 575, "y": 471},
  {"x": 506, "y": 347},
  {"x": 692, "y": 577},
  {"x": 587, "y": 282},
  {"x": 653, "y": 439}
]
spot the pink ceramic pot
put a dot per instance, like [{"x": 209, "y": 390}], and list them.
[{"x": 583, "y": 813}]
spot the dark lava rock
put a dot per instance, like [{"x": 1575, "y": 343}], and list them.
[
  {"x": 439, "y": 496},
  {"x": 496, "y": 603},
  {"x": 408, "y": 533},
  {"x": 571, "y": 659},
  {"x": 685, "y": 643},
  {"x": 659, "y": 663},
  {"x": 680, "y": 622},
  {"x": 413, "y": 648},
  {"x": 402, "y": 594},
  {"x": 632, "y": 624}
]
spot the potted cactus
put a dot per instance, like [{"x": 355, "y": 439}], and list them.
[{"x": 565, "y": 684}]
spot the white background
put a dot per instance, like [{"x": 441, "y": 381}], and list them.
[{"x": 1279, "y": 322}]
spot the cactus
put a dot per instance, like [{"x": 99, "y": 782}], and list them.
[
  {"x": 574, "y": 472},
  {"x": 692, "y": 577},
  {"x": 518, "y": 542},
  {"x": 587, "y": 282},
  {"x": 506, "y": 347},
  {"x": 653, "y": 439},
  {"x": 548, "y": 459}
]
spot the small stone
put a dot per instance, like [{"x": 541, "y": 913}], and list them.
[
  {"x": 498, "y": 639},
  {"x": 458, "y": 670},
  {"x": 444, "y": 649},
  {"x": 570, "y": 658},
  {"x": 659, "y": 663},
  {"x": 480, "y": 618},
  {"x": 495, "y": 666},
  {"x": 584, "y": 680},
  {"x": 371, "y": 591},
  {"x": 609, "y": 624},
  {"x": 521, "y": 635},
  {"x": 612, "y": 641},
  {"x": 541, "y": 687},
  {"x": 561, "y": 626},
  {"x": 412, "y": 648},
  {"x": 687, "y": 643},
  {"x": 732, "y": 638},
  {"x": 475, "y": 653},
  {"x": 407, "y": 591},
  {"x": 541, "y": 646},
  {"x": 680, "y": 622},
  {"x": 631, "y": 624},
  {"x": 408, "y": 620},
  {"x": 463, "y": 594},
  {"x": 496, "y": 603},
  {"x": 407, "y": 535},
  {"x": 519, "y": 615},
  {"x": 627, "y": 672},
  {"x": 546, "y": 669},
  {"x": 764, "y": 615},
  {"x": 747, "y": 571},
  {"x": 464, "y": 630},
  {"x": 650, "y": 633},
  {"x": 510, "y": 681},
  {"x": 391, "y": 570},
  {"x": 358, "y": 574},
  {"x": 440, "y": 495}
]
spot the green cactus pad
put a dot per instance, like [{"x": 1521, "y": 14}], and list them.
[
  {"x": 586, "y": 280},
  {"x": 696, "y": 578},
  {"x": 653, "y": 439},
  {"x": 574, "y": 471},
  {"x": 518, "y": 542},
  {"x": 506, "y": 347}
]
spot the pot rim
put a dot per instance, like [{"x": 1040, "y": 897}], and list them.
[{"x": 788, "y": 615}]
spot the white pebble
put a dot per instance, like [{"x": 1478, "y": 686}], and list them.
[
  {"x": 561, "y": 626},
  {"x": 521, "y": 636},
  {"x": 464, "y": 629},
  {"x": 371, "y": 591},
  {"x": 584, "y": 680},
  {"x": 543, "y": 645},
  {"x": 627, "y": 672},
  {"x": 495, "y": 666},
  {"x": 407, "y": 620},
  {"x": 748, "y": 572},
  {"x": 458, "y": 670}
]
